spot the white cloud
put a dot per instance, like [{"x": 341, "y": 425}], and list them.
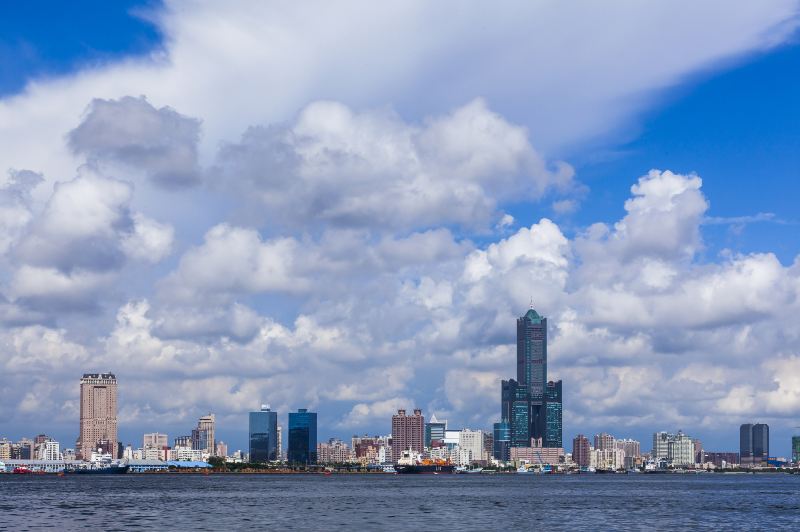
[
  {"x": 129, "y": 131},
  {"x": 370, "y": 169}
]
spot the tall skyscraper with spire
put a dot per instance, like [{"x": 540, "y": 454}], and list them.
[{"x": 531, "y": 404}]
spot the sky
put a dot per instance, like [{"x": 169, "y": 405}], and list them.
[{"x": 345, "y": 206}]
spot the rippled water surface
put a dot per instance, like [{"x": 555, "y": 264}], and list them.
[{"x": 390, "y": 502}]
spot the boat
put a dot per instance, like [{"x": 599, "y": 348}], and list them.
[
  {"x": 21, "y": 470},
  {"x": 113, "y": 469},
  {"x": 464, "y": 469},
  {"x": 411, "y": 463},
  {"x": 434, "y": 469}
]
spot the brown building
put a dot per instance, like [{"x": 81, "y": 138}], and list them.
[
  {"x": 603, "y": 441},
  {"x": 408, "y": 432},
  {"x": 580, "y": 450},
  {"x": 98, "y": 424}
]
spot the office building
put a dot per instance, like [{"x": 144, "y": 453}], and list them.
[
  {"x": 98, "y": 414},
  {"x": 183, "y": 441},
  {"x": 532, "y": 404},
  {"x": 553, "y": 408},
  {"x": 502, "y": 441},
  {"x": 302, "y": 447},
  {"x": 434, "y": 430},
  {"x": 263, "y": 435},
  {"x": 155, "y": 440},
  {"x": 581, "y": 450},
  {"x": 753, "y": 443},
  {"x": 796, "y": 449},
  {"x": 408, "y": 433}
]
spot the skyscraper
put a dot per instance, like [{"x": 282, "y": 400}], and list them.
[
  {"x": 553, "y": 432},
  {"x": 302, "y": 437},
  {"x": 532, "y": 405},
  {"x": 580, "y": 450},
  {"x": 502, "y": 441},
  {"x": 263, "y": 435},
  {"x": 203, "y": 435},
  {"x": 796, "y": 449},
  {"x": 434, "y": 430},
  {"x": 753, "y": 443},
  {"x": 98, "y": 413},
  {"x": 407, "y": 433}
]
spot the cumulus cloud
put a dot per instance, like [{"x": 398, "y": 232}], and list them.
[
  {"x": 336, "y": 166},
  {"x": 72, "y": 249},
  {"x": 161, "y": 143}
]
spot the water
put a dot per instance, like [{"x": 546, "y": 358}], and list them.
[{"x": 390, "y": 502}]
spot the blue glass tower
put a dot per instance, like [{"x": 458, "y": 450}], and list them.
[
  {"x": 531, "y": 405},
  {"x": 263, "y": 435},
  {"x": 501, "y": 449},
  {"x": 302, "y": 437}
]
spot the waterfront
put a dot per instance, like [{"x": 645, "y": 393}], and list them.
[{"x": 384, "y": 502}]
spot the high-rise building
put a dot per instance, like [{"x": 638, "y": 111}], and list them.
[
  {"x": 408, "y": 433},
  {"x": 746, "y": 443},
  {"x": 604, "y": 441},
  {"x": 516, "y": 408},
  {"x": 760, "y": 442},
  {"x": 553, "y": 429},
  {"x": 680, "y": 450},
  {"x": 581, "y": 450},
  {"x": 471, "y": 443},
  {"x": 280, "y": 442},
  {"x": 660, "y": 445},
  {"x": 302, "y": 437},
  {"x": 531, "y": 404},
  {"x": 155, "y": 440},
  {"x": 502, "y": 441},
  {"x": 98, "y": 413},
  {"x": 183, "y": 441},
  {"x": 796, "y": 449},
  {"x": 434, "y": 430},
  {"x": 753, "y": 443},
  {"x": 263, "y": 435},
  {"x": 203, "y": 435}
]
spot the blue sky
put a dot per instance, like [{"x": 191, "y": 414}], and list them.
[{"x": 209, "y": 174}]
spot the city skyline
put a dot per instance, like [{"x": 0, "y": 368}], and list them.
[{"x": 232, "y": 205}]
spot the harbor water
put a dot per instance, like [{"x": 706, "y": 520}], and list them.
[{"x": 391, "y": 502}]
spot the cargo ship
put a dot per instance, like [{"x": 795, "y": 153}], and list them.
[
  {"x": 113, "y": 469},
  {"x": 410, "y": 463}
]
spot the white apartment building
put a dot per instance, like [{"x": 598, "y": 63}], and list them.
[
  {"x": 680, "y": 450},
  {"x": 49, "y": 450},
  {"x": 471, "y": 442}
]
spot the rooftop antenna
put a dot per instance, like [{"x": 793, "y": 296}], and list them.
[{"x": 531, "y": 302}]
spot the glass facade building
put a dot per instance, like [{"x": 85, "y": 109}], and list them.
[
  {"x": 553, "y": 432},
  {"x": 531, "y": 404},
  {"x": 501, "y": 446},
  {"x": 753, "y": 443},
  {"x": 264, "y": 435},
  {"x": 434, "y": 431},
  {"x": 796, "y": 449},
  {"x": 302, "y": 437}
]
